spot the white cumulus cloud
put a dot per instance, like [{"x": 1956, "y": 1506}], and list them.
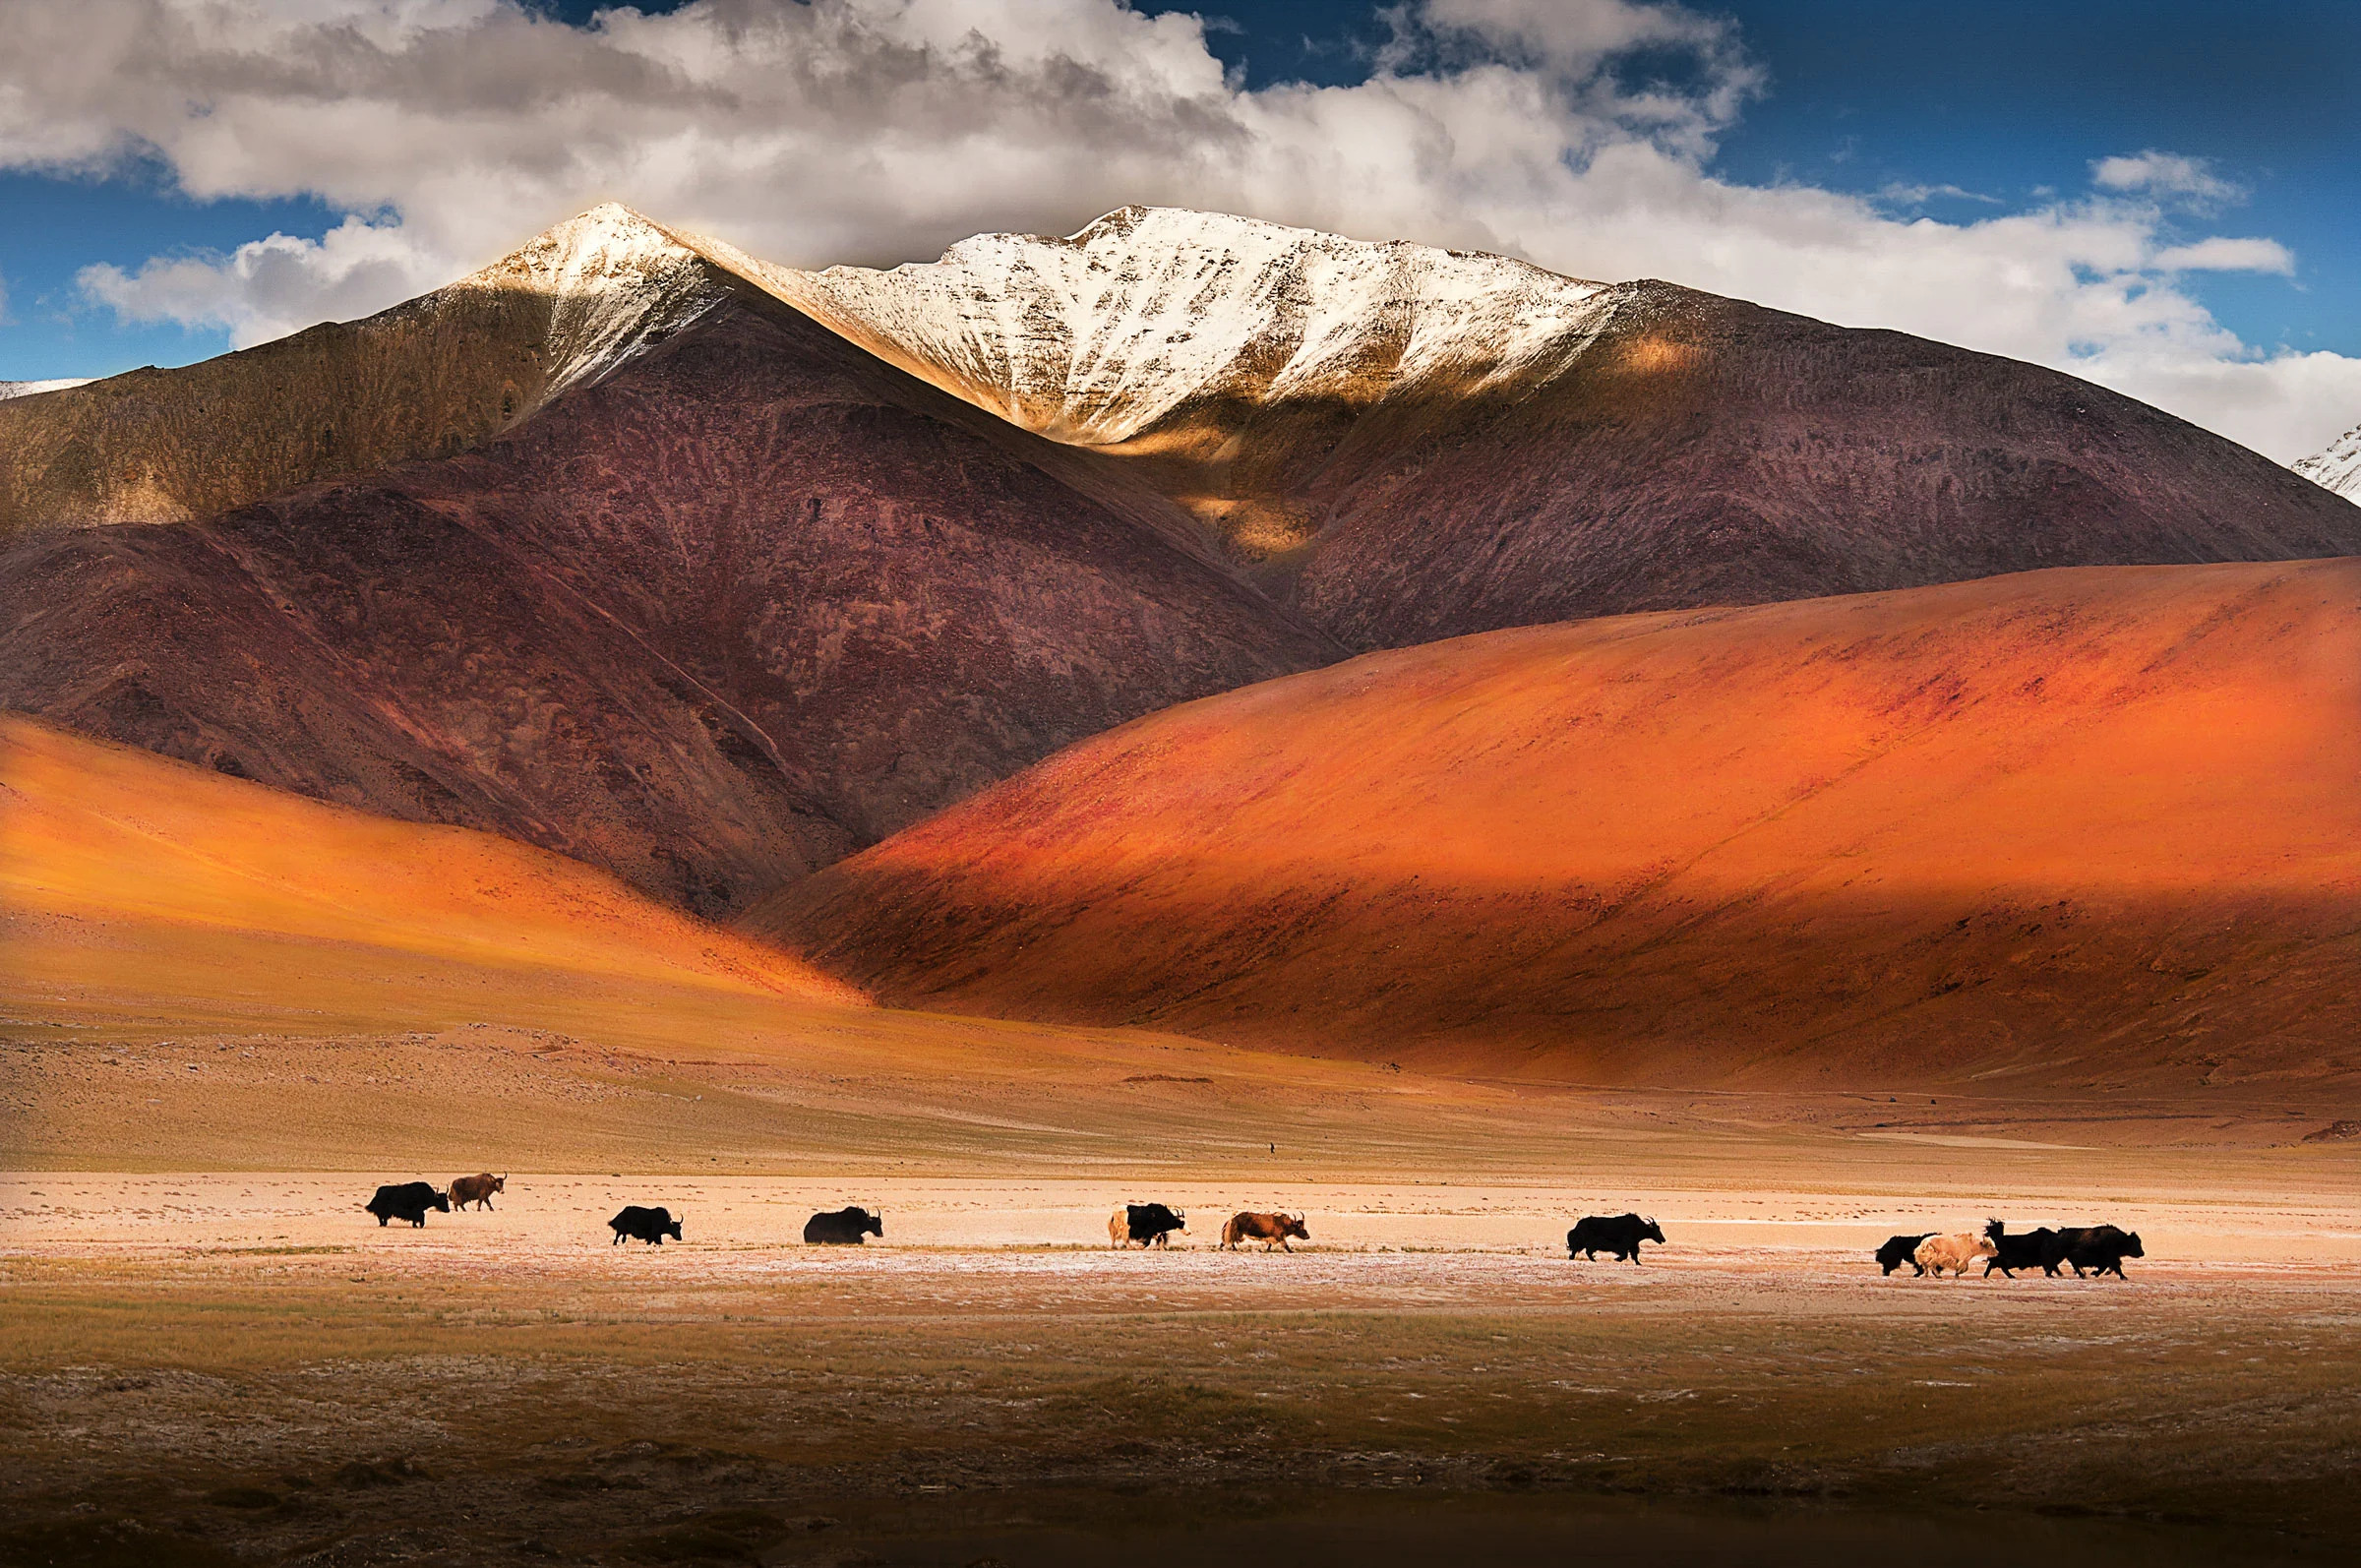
[
  {"x": 2167, "y": 174},
  {"x": 2221, "y": 253},
  {"x": 352, "y": 270},
  {"x": 1579, "y": 134}
]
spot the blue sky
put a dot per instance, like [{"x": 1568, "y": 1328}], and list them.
[
  {"x": 1952, "y": 112},
  {"x": 52, "y": 226},
  {"x": 2010, "y": 99},
  {"x": 2004, "y": 99}
]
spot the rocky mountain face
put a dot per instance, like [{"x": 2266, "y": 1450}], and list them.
[
  {"x": 748, "y": 601},
  {"x": 712, "y": 572},
  {"x": 1404, "y": 442},
  {"x": 1411, "y": 444},
  {"x": 2338, "y": 466},
  {"x": 429, "y": 377},
  {"x": 2092, "y": 827}
]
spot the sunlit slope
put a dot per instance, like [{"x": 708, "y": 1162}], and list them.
[
  {"x": 201, "y": 973},
  {"x": 430, "y": 377},
  {"x": 2098, "y": 826},
  {"x": 131, "y": 881}
]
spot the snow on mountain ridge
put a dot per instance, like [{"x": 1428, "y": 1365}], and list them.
[
  {"x": 2338, "y": 467},
  {"x": 1095, "y": 338},
  {"x": 33, "y": 389},
  {"x": 616, "y": 281},
  {"x": 429, "y": 377}
]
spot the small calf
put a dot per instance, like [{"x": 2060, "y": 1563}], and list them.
[
  {"x": 1953, "y": 1252},
  {"x": 476, "y": 1189}
]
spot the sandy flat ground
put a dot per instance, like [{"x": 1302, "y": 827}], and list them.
[
  {"x": 209, "y": 1356},
  {"x": 242, "y": 1363},
  {"x": 751, "y": 1223}
]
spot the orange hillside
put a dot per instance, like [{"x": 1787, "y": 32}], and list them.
[
  {"x": 131, "y": 881},
  {"x": 2088, "y": 827}
]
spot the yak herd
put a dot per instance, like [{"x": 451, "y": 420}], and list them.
[{"x": 2087, "y": 1249}]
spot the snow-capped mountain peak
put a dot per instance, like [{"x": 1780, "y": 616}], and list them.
[
  {"x": 2336, "y": 468},
  {"x": 1095, "y": 338},
  {"x": 613, "y": 278}
]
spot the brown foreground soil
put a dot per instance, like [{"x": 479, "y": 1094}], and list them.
[
  {"x": 240, "y": 1365},
  {"x": 207, "y": 1356}
]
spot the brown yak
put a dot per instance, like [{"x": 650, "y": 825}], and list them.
[
  {"x": 476, "y": 1189},
  {"x": 1271, "y": 1230}
]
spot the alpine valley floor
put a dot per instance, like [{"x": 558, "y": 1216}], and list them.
[{"x": 209, "y": 1356}]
